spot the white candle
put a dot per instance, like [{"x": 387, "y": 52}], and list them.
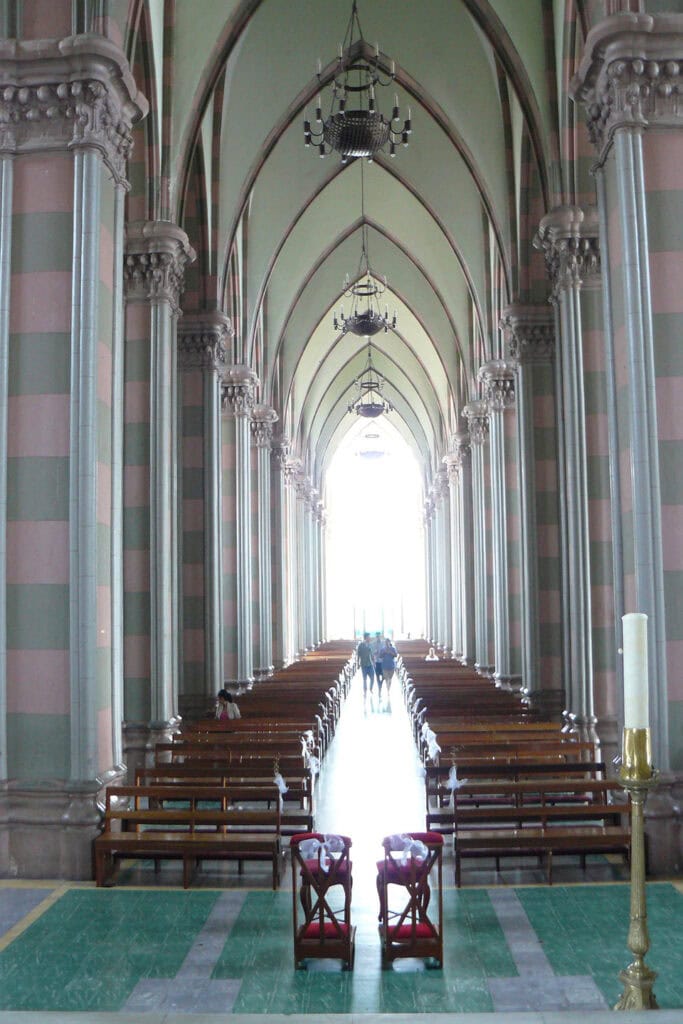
[{"x": 636, "y": 702}]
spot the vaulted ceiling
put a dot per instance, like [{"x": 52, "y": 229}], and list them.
[{"x": 447, "y": 219}]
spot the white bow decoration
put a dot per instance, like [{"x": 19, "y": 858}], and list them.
[
  {"x": 281, "y": 784},
  {"x": 408, "y": 847},
  {"x": 453, "y": 782},
  {"x": 330, "y": 845}
]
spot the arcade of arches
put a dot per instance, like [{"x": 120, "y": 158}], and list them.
[{"x": 172, "y": 389}]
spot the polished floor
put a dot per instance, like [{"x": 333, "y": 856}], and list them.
[{"x": 514, "y": 950}]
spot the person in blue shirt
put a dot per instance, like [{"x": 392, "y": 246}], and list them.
[{"x": 367, "y": 662}]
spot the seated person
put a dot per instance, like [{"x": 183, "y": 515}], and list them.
[
  {"x": 432, "y": 656},
  {"x": 226, "y": 707}
]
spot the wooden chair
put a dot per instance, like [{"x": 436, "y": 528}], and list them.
[
  {"x": 322, "y": 929},
  {"x": 412, "y": 865}
]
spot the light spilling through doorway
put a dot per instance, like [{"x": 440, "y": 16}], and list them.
[{"x": 375, "y": 535}]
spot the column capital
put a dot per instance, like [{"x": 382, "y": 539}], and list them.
[
  {"x": 61, "y": 94},
  {"x": 569, "y": 239},
  {"x": 529, "y": 333},
  {"x": 154, "y": 264},
  {"x": 202, "y": 340},
  {"x": 428, "y": 508},
  {"x": 262, "y": 419},
  {"x": 477, "y": 416},
  {"x": 631, "y": 75},
  {"x": 458, "y": 455},
  {"x": 239, "y": 384},
  {"x": 279, "y": 449},
  {"x": 498, "y": 380}
]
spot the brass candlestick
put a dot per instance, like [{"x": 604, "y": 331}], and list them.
[{"x": 638, "y": 777}]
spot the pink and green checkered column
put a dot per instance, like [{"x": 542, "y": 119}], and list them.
[
  {"x": 156, "y": 254},
  {"x": 60, "y": 338}
]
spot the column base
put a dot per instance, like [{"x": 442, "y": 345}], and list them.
[
  {"x": 263, "y": 673},
  {"x": 47, "y": 828},
  {"x": 511, "y": 684},
  {"x": 140, "y": 739},
  {"x": 484, "y": 670}
]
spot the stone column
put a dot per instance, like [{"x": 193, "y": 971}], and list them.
[
  {"x": 282, "y": 610},
  {"x": 429, "y": 559},
  {"x": 459, "y": 465},
  {"x": 572, "y": 253},
  {"x": 444, "y": 566},
  {"x": 452, "y": 465},
  {"x": 156, "y": 254},
  {"x": 68, "y": 106},
  {"x": 202, "y": 357},
  {"x": 263, "y": 418},
  {"x": 322, "y": 569},
  {"x": 239, "y": 384},
  {"x": 477, "y": 416},
  {"x": 498, "y": 382},
  {"x": 630, "y": 81},
  {"x": 530, "y": 336},
  {"x": 293, "y": 468}
]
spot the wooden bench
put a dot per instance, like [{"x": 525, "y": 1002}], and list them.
[
  {"x": 162, "y": 830},
  {"x": 541, "y": 818}
]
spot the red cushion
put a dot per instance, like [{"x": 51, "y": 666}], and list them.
[
  {"x": 398, "y": 873},
  {"x": 405, "y": 931},
  {"x": 341, "y": 871},
  {"x": 303, "y": 836},
  {"x": 330, "y": 930}
]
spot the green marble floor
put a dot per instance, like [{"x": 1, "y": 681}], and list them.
[{"x": 89, "y": 950}]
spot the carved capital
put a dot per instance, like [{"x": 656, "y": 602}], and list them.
[
  {"x": 497, "y": 378},
  {"x": 529, "y": 333},
  {"x": 238, "y": 390},
  {"x": 262, "y": 419},
  {"x": 477, "y": 416},
  {"x": 154, "y": 264},
  {"x": 631, "y": 75},
  {"x": 294, "y": 467},
  {"x": 202, "y": 341},
  {"x": 452, "y": 463},
  {"x": 68, "y": 94},
  {"x": 279, "y": 449},
  {"x": 569, "y": 239}
]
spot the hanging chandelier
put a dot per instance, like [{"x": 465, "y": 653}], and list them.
[
  {"x": 370, "y": 402},
  {"x": 366, "y": 317},
  {"x": 362, "y": 131}
]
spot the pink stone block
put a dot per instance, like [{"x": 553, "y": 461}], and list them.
[
  {"x": 43, "y": 183},
  {"x": 597, "y": 434},
  {"x": 104, "y": 616},
  {"x": 666, "y": 274},
  {"x": 104, "y": 493},
  {"x": 38, "y": 682},
  {"x": 625, "y": 480},
  {"x": 544, "y": 411},
  {"x": 136, "y": 660},
  {"x": 136, "y": 486},
  {"x": 663, "y": 159},
  {"x": 620, "y": 359},
  {"x": 38, "y": 552},
  {"x": 105, "y": 739},
  {"x": 136, "y": 572},
  {"x": 602, "y": 605},
  {"x": 630, "y": 603},
  {"x": 674, "y": 659},
  {"x": 551, "y": 672},
  {"x": 38, "y": 425},
  {"x": 605, "y": 689},
  {"x": 193, "y": 580},
  {"x": 669, "y": 391},
  {"x": 614, "y": 237},
  {"x": 548, "y": 541},
  {"x": 514, "y": 580},
  {"x": 193, "y": 452},
  {"x": 600, "y": 520},
  {"x": 672, "y": 537},
  {"x": 137, "y": 400},
  {"x": 46, "y": 19},
  {"x": 40, "y": 302},
  {"x": 193, "y": 514},
  {"x": 549, "y": 607},
  {"x": 137, "y": 321},
  {"x": 104, "y": 374},
  {"x": 193, "y": 645},
  {"x": 546, "y": 475},
  {"x": 229, "y": 510},
  {"x": 193, "y": 388},
  {"x": 228, "y": 455}
]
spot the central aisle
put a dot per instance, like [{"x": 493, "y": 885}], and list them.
[{"x": 371, "y": 784}]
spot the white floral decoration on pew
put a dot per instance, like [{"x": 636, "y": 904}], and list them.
[
  {"x": 453, "y": 782},
  {"x": 328, "y": 847}
]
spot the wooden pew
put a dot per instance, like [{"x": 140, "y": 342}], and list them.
[{"x": 189, "y": 833}]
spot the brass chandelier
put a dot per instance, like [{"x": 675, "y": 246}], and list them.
[{"x": 370, "y": 402}]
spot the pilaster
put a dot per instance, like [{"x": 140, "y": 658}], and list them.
[
  {"x": 477, "y": 415},
  {"x": 202, "y": 353},
  {"x": 263, "y": 419},
  {"x": 281, "y": 619},
  {"x": 497, "y": 379},
  {"x": 238, "y": 397}
]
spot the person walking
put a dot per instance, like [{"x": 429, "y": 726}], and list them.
[
  {"x": 366, "y": 661},
  {"x": 377, "y": 645},
  {"x": 388, "y": 655}
]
